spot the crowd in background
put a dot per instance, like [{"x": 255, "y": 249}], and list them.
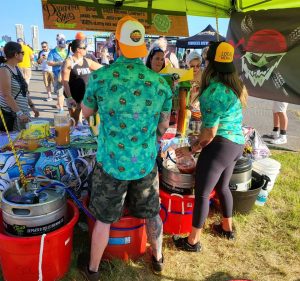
[
  {"x": 134, "y": 103},
  {"x": 66, "y": 68}
]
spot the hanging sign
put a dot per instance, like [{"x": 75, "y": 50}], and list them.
[
  {"x": 80, "y": 17},
  {"x": 267, "y": 51}
]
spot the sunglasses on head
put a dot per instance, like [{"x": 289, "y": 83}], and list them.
[{"x": 156, "y": 49}]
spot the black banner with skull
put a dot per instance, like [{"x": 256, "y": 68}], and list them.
[{"x": 267, "y": 52}]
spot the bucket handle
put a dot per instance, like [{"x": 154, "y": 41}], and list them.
[
  {"x": 127, "y": 228},
  {"x": 266, "y": 180},
  {"x": 182, "y": 203},
  {"x": 165, "y": 211},
  {"x": 21, "y": 212}
]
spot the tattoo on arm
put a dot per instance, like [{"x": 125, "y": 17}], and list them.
[{"x": 164, "y": 118}]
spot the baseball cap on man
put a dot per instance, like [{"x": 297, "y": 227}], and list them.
[
  {"x": 60, "y": 36},
  {"x": 61, "y": 43},
  {"x": 130, "y": 34},
  {"x": 221, "y": 55}
]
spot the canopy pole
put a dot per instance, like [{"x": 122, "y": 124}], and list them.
[{"x": 217, "y": 23}]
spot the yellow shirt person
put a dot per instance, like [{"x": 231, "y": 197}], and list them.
[{"x": 25, "y": 65}]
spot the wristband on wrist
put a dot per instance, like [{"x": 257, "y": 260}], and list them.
[
  {"x": 19, "y": 113},
  {"x": 195, "y": 147}
]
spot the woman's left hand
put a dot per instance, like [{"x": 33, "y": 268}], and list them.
[
  {"x": 36, "y": 112},
  {"x": 182, "y": 151}
]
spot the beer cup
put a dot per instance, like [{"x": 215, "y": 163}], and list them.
[{"x": 63, "y": 128}]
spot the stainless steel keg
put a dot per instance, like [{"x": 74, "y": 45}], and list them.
[
  {"x": 176, "y": 182},
  {"x": 30, "y": 212}
]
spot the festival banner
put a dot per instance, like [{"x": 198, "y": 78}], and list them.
[
  {"x": 72, "y": 16},
  {"x": 267, "y": 48}
]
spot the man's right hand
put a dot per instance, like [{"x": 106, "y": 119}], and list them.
[{"x": 71, "y": 102}]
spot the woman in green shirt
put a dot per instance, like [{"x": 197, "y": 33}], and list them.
[{"x": 221, "y": 142}]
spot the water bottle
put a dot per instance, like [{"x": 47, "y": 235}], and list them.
[
  {"x": 263, "y": 194},
  {"x": 262, "y": 197}
]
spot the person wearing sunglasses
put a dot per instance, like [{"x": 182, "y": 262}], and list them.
[
  {"x": 75, "y": 74},
  {"x": 15, "y": 102},
  {"x": 47, "y": 69},
  {"x": 156, "y": 59},
  {"x": 194, "y": 61}
]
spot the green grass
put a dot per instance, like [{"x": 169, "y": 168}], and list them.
[{"x": 267, "y": 246}]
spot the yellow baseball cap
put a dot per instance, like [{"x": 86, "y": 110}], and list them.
[
  {"x": 221, "y": 54},
  {"x": 130, "y": 34}
]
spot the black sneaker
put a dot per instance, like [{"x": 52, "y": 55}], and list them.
[
  {"x": 157, "y": 265},
  {"x": 218, "y": 230},
  {"x": 83, "y": 266},
  {"x": 183, "y": 244}
]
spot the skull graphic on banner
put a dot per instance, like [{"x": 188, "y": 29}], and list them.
[{"x": 264, "y": 51}]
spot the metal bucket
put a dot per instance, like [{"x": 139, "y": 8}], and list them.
[{"x": 45, "y": 212}]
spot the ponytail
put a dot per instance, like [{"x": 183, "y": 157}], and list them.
[
  {"x": 69, "y": 48},
  {"x": 2, "y": 59}
]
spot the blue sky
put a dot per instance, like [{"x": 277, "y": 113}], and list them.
[{"x": 15, "y": 12}]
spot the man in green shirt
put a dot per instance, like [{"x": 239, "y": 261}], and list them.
[{"x": 134, "y": 105}]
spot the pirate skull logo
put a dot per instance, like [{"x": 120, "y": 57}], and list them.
[{"x": 264, "y": 51}]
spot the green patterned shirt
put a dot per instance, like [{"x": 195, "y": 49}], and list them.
[
  {"x": 129, "y": 98},
  {"x": 221, "y": 107}
]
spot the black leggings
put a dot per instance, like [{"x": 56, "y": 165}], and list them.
[{"x": 214, "y": 170}]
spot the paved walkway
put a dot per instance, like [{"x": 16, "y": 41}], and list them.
[{"x": 258, "y": 114}]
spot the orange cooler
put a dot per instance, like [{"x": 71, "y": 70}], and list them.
[{"x": 127, "y": 238}]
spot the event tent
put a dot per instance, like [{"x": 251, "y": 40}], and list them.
[
  {"x": 205, "y": 8},
  {"x": 200, "y": 40}
]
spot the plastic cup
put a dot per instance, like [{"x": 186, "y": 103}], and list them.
[{"x": 63, "y": 129}]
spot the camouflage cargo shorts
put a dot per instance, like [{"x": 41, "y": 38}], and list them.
[{"x": 109, "y": 195}]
